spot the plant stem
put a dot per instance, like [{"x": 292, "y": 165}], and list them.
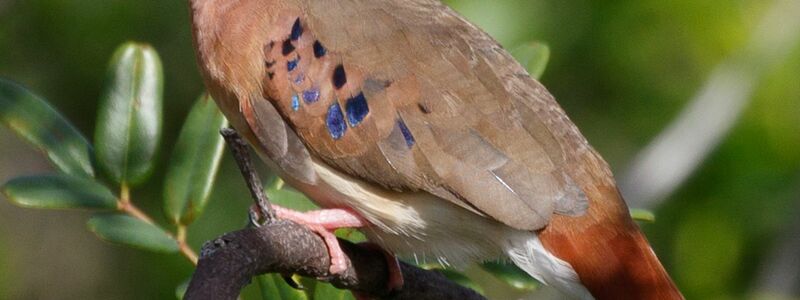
[
  {"x": 186, "y": 250},
  {"x": 124, "y": 194},
  {"x": 130, "y": 209},
  {"x": 125, "y": 205}
]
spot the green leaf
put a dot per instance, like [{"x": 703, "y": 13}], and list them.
[
  {"x": 274, "y": 287},
  {"x": 326, "y": 291},
  {"x": 512, "y": 275},
  {"x": 59, "y": 192},
  {"x": 194, "y": 164},
  {"x": 461, "y": 279},
  {"x": 127, "y": 230},
  {"x": 35, "y": 121},
  {"x": 289, "y": 198},
  {"x": 534, "y": 57},
  {"x": 6, "y": 272},
  {"x": 129, "y": 121},
  {"x": 642, "y": 215},
  {"x": 351, "y": 234},
  {"x": 180, "y": 290},
  {"x": 267, "y": 287}
]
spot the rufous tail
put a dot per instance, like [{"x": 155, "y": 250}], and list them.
[{"x": 608, "y": 251}]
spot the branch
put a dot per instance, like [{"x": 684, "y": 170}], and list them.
[
  {"x": 239, "y": 150},
  {"x": 228, "y": 263}
]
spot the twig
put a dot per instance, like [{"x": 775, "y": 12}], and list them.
[
  {"x": 125, "y": 205},
  {"x": 184, "y": 247},
  {"x": 242, "y": 156}
]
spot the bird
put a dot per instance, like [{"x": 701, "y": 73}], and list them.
[{"x": 403, "y": 118}]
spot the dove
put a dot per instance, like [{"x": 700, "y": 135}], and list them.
[{"x": 402, "y": 118}]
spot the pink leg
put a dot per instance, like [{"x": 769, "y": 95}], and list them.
[
  {"x": 334, "y": 218},
  {"x": 324, "y": 222}
]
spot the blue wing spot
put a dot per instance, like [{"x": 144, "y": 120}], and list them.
[
  {"x": 311, "y": 96},
  {"x": 295, "y": 102},
  {"x": 406, "y": 133},
  {"x": 335, "y": 121},
  {"x": 292, "y": 64},
  {"x": 339, "y": 77},
  {"x": 319, "y": 49},
  {"x": 297, "y": 30},
  {"x": 299, "y": 79},
  {"x": 357, "y": 109}
]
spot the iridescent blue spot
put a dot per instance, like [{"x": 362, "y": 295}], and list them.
[
  {"x": 311, "y": 96},
  {"x": 319, "y": 49},
  {"x": 292, "y": 64},
  {"x": 299, "y": 79},
  {"x": 335, "y": 121},
  {"x": 406, "y": 133},
  {"x": 295, "y": 102},
  {"x": 297, "y": 30},
  {"x": 357, "y": 109}
]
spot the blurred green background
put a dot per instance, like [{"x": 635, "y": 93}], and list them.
[{"x": 623, "y": 70}]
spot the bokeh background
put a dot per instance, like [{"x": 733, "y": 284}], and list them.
[{"x": 694, "y": 103}]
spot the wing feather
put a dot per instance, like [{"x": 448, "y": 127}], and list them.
[{"x": 448, "y": 111}]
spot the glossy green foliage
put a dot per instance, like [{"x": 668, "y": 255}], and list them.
[
  {"x": 43, "y": 127},
  {"x": 194, "y": 163},
  {"x": 461, "y": 279},
  {"x": 534, "y": 57},
  {"x": 643, "y": 215},
  {"x": 130, "y": 231},
  {"x": 128, "y": 128},
  {"x": 180, "y": 290},
  {"x": 325, "y": 291},
  {"x": 274, "y": 287},
  {"x": 59, "y": 192}
]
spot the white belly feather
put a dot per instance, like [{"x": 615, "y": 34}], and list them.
[{"x": 420, "y": 226}]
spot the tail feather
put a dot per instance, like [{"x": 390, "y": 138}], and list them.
[
  {"x": 608, "y": 251},
  {"x": 528, "y": 253}
]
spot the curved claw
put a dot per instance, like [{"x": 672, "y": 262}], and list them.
[{"x": 254, "y": 216}]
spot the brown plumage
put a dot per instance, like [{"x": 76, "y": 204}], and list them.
[{"x": 414, "y": 118}]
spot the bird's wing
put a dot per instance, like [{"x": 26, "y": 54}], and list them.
[{"x": 413, "y": 98}]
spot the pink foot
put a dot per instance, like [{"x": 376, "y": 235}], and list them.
[{"x": 324, "y": 222}]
